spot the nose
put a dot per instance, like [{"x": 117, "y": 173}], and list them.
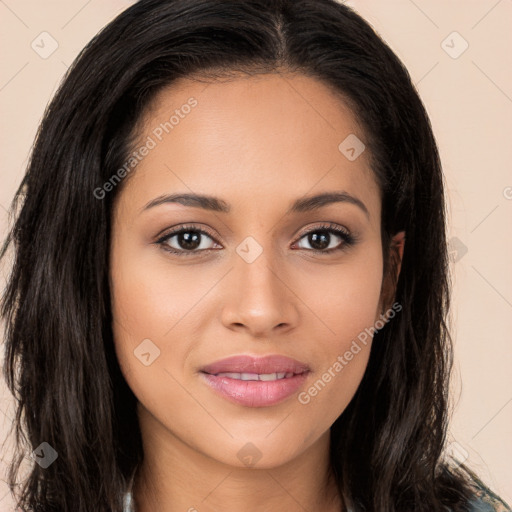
[{"x": 259, "y": 299}]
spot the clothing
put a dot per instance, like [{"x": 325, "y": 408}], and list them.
[
  {"x": 485, "y": 500},
  {"x": 127, "y": 503}
]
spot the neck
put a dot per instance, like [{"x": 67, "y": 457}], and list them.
[{"x": 176, "y": 477}]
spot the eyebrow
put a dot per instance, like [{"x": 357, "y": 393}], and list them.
[{"x": 301, "y": 205}]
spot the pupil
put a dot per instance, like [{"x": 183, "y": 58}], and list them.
[
  {"x": 189, "y": 240},
  {"x": 319, "y": 240}
]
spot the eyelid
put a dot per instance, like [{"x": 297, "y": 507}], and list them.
[
  {"x": 173, "y": 230},
  {"x": 324, "y": 226}
]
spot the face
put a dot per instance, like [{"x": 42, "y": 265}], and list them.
[{"x": 258, "y": 271}]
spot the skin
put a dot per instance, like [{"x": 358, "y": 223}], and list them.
[{"x": 259, "y": 143}]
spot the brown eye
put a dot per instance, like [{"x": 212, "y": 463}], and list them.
[
  {"x": 322, "y": 239},
  {"x": 187, "y": 240}
]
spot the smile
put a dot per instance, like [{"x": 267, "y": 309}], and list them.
[
  {"x": 255, "y": 381},
  {"x": 256, "y": 376}
]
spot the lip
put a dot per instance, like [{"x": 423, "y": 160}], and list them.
[
  {"x": 255, "y": 393},
  {"x": 251, "y": 364}
]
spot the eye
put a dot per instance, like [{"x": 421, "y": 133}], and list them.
[
  {"x": 188, "y": 240},
  {"x": 322, "y": 241}
]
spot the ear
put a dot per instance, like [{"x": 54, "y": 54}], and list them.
[
  {"x": 390, "y": 280},
  {"x": 397, "y": 246}
]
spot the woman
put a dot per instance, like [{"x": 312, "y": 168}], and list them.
[{"x": 231, "y": 245}]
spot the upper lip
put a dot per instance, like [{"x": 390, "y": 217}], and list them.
[{"x": 260, "y": 365}]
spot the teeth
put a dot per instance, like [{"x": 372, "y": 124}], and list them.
[
  {"x": 230, "y": 375},
  {"x": 249, "y": 376},
  {"x": 256, "y": 376}
]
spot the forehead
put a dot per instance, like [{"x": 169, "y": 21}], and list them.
[{"x": 267, "y": 137}]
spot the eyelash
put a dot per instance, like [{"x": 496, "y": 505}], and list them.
[{"x": 348, "y": 239}]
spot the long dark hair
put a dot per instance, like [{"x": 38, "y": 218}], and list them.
[{"x": 60, "y": 364}]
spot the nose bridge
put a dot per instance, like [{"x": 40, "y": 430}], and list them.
[{"x": 261, "y": 300}]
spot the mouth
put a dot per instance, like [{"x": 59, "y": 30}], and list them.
[
  {"x": 255, "y": 381},
  {"x": 266, "y": 377}
]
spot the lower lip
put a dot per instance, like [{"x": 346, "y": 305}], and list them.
[{"x": 255, "y": 393}]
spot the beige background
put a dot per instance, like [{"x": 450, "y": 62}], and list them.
[{"x": 468, "y": 95}]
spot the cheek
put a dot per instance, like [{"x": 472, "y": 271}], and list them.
[
  {"x": 149, "y": 303},
  {"x": 158, "y": 309},
  {"x": 151, "y": 294},
  {"x": 346, "y": 302},
  {"x": 149, "y": 300},
  {"x": 345, "y": 297}
]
